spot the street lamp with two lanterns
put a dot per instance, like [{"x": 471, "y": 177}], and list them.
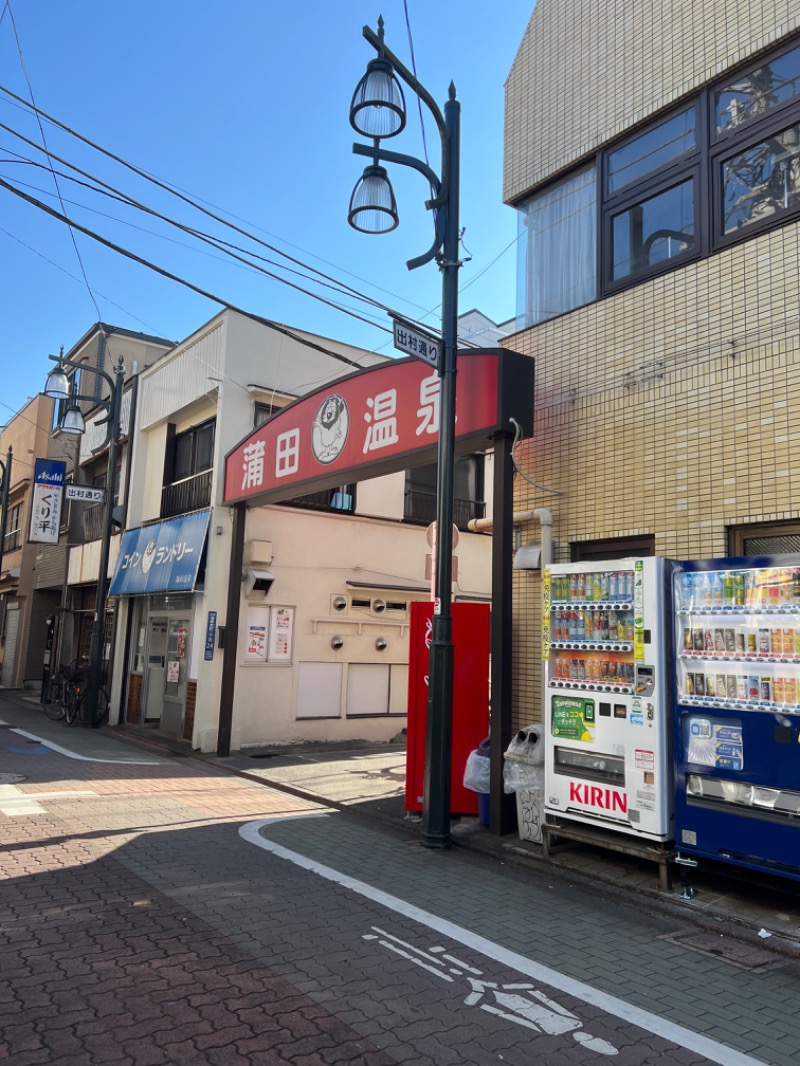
[
  {"x": 61, "y": 387},
  {"x": 378, "y": 111}
]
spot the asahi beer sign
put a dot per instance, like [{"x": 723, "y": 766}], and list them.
[{"x": 48, "y": 498}]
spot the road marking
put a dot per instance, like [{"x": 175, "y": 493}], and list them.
[
  {"x": 651, "y": 1023},
  {"x": 15, "y": 803},
  {"x": 74, "y": 755}
]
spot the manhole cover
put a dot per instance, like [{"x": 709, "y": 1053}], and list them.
[
  {"x": 745, "y": 956},
  {"x": 12, "y": 779}
]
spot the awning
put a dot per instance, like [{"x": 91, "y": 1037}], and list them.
[{"x": 162, "y": 557}]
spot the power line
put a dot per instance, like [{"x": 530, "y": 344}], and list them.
[
  {"x": 173, "y": 277},
  {"x": 44, "y": 142}
]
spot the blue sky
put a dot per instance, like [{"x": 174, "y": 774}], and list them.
[{"x": 245, "y": 106}]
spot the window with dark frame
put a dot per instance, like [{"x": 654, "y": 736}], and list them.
[
  {"x": 262, "y": 412},
  {"x": 764, "y": 538},
  {"x": 192, "y": 452},
  {"x": 612, "y": 548},
  {"x": 722, "y": 167},
  {"x": 13, "y": 535}
]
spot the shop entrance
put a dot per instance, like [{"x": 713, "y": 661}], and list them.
[{"x": 166, "y": 671}]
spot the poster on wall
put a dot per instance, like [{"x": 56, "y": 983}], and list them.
[
  {"x": 181, "y": 641},
  {"x": 280, "y": 637},
  {"x": 173, "y": 671},
  {"x": 255, "y": 649},
  {"x": 269, "y": 635}
]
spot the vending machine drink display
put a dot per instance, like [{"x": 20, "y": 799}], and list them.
[
  {"x": 607, "y": 760},
  {"x": 737, "y": 711}
]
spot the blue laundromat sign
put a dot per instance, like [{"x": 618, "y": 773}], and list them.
[{"x": 163, "y": 557}]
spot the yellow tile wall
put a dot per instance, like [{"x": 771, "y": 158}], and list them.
[
  {"x": 589, "y": 70},
  {"x": 671, "y": 409}
]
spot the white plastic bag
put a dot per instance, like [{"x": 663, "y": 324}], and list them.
[{"x": 476, "y": 773}]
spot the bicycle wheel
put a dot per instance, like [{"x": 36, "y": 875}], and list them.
[
  {"x": 54, "y": 699},
  {"x": 73, "y": 704}
]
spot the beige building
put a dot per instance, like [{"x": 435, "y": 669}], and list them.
[
  {"x": 326, "y": 581},
  {"x": 28, "y": 435},
  {"x": 653, "y": 153}
]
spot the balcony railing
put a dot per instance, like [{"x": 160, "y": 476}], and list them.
[
  {"x": 420, "y": 507},
  {"x": 188, "y": 495}
]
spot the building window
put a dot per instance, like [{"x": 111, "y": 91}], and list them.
[
  {"x": 193, "y": 452},
  {"x": 13, "y": 535},
  {"x": 649, "y": 152},
  {"x": 768, "y": 538},
  {"x": 612, "y": 548},
  {"x": 653, "y": 231},
  {"x": 758, "y": 92},
  {"x": 723, "y": 167},
  {"x": 262, "y": 412},
  {"x": 468, "y": 492},
  {"x": 342, "y": 499},
  {"x": 651, "y": 199},
  {"x": 558, "y": 249},
  {"x": 761, "y": 181}
]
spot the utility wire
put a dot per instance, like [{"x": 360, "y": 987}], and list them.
[
  {"x": 44, "y": 142},
  {"x": 174, "y": 277},
  {"x": 191, "y": 201},
  {"x": 225, "y": 246},
  {"x": 151, "y": 329}
]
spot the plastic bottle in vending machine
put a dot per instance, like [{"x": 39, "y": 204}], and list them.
[
  {"x": 581, "y": 587},
  {"x": 613, "y": 585},
  {"x": 612, "y": 624},
  {"x": 738, "y": 589},
  {"x": 588, "y": 625},
  {"x": 604, "y": 625},
  {"x": 727, "y": 588},
  {"x": 687, "y": 590},
  {"x": 716, "y": 588}
]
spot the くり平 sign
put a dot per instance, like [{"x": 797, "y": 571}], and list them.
[{"x": 48, "y": 493}]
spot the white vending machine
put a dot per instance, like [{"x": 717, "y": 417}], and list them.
[{"x": 607, "y": 753}]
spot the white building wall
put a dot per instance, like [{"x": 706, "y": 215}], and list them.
[
  {"x": 222, "y": 370},
  {"x": 349, "y": 552}
]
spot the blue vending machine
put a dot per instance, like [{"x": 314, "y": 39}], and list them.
[{"x": 737, "y": 711}]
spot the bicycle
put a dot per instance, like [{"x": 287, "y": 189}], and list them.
[
  {"x": 65, "y": 692},
  {"x": 55, "y": 698}
]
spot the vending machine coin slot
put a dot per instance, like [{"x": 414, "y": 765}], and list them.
[{"x": 645, "y": 680}]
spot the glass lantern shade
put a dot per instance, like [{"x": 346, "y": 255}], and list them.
[
  {"x": 373, "y": 208},
  {"x": 378, "y": 107},
  {"x": 57, "y": 384},
  {"x": 73, "y": 420}
]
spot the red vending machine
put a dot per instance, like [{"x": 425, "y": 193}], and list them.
[{"x": 470, "y": 698}]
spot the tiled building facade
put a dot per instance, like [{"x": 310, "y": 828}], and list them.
[{"x": 667, "y": 407}]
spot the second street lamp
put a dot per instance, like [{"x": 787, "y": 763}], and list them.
[
  {"x": 377, "y": 111},
  {"x": 59, "y": 387}
]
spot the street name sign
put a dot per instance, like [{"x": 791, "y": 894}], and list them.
[
  {"x": 412, "y": 341},
  {"x": 85, "y": 493}
]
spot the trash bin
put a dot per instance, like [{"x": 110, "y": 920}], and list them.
[
  {"x": 523, "y": 773},
  {"x": 477, "y": 777}
]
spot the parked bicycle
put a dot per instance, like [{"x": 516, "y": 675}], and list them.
[{"x": 64, "y": 696}]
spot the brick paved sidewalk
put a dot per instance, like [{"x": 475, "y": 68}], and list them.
[{"x": 136, "y": 926}]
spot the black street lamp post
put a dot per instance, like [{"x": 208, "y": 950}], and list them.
[
  {"x": 5, "y": 488},
  {"x": 60, "y": 388},
  {"x": 378, "y": 111}
]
